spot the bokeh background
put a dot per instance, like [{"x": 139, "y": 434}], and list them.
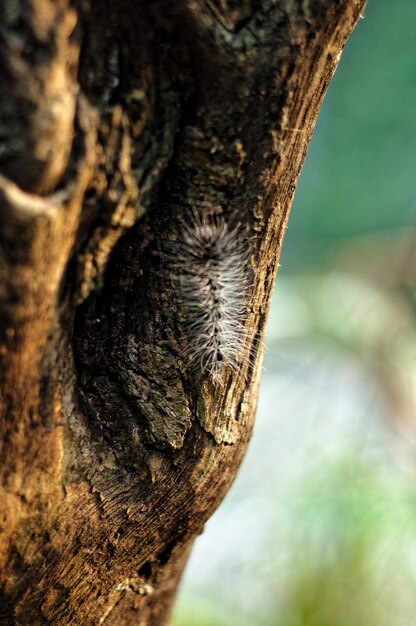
[{"x": 319, "y": 528}]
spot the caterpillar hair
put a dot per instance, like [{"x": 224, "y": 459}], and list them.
[{"x": 212, "y": 267}]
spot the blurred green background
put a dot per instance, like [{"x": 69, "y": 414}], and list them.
[{"x": 320, "y": 527}]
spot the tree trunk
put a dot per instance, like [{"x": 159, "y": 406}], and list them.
[{"x": 149, "y": 156}]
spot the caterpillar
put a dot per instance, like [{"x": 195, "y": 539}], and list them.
[{"x": 211, "y": 264}]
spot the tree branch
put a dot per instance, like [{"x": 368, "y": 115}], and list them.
[{"x": 144, "y": 122}]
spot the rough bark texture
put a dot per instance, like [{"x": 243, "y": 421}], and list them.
[{"x": 122, "y": 121}]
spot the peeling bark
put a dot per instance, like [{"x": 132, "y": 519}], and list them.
[{"x": 120, "y": 123}]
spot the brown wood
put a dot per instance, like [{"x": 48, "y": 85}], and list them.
[{"x": 119, "y": 121}]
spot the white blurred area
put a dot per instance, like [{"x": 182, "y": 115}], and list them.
[{"x": 332, "y": 462}]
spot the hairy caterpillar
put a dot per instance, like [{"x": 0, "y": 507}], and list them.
[{"x": 211, "y": 264}]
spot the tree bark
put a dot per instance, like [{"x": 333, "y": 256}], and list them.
[{"x": 121, "y": 125}]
